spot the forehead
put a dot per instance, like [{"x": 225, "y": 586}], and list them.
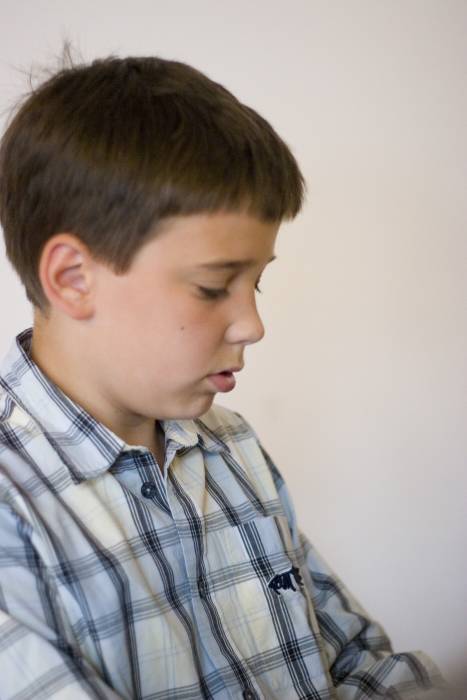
[{"x": 213, "y": 241}]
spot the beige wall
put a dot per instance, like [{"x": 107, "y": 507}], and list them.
[{"x": 358, "y": 389}]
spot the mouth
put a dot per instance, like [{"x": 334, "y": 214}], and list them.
[{"x": 223, "y": 381}]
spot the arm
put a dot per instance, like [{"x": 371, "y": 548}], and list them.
[
  {"x": 362, "y": 663},
  {"x": 36, "y": 660}
]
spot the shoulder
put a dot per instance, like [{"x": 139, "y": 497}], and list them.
[
  {"x": 241, "y": 441},
  {"x": 232, "y": 426},
  {"x": 226, "y": 425},
  {"x": 231, "y": 429},
  {"x": 19, "y": 433}
]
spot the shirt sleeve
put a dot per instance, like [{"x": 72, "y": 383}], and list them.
[
  {"x": 36, "y": 661},
  {"x": 362, "y": 663}
]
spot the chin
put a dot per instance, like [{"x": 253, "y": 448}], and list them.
[
  {"x": 189, "y": 410},
  {"x": 200, "y": 407}
]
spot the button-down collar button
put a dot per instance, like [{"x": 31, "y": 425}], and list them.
[
  {"x": 148, "y": 489},
  {"x": 249, "y": 694}
]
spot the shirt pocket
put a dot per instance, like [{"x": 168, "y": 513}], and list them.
[{"x": 258, "y": 591}]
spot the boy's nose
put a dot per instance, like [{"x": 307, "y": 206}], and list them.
[{"x": 247, "y": 327}]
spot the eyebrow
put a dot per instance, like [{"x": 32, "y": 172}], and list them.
[{"x": 231, "y": 264}]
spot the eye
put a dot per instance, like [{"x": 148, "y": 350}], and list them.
[{"x": 210, "y": 293}]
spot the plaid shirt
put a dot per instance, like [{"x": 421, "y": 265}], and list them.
[{"x": 119, "y": 580}]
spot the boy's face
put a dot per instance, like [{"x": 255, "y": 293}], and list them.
[{"x": 155, "y": 334}]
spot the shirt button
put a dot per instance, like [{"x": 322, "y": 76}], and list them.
[
  {"x": 202, "y": 588},
  {"x": 148, "y": 489},
  {"x": 249, "y": 695}
]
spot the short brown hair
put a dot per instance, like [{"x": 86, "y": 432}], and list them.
[{"x": 107, "y": 150}]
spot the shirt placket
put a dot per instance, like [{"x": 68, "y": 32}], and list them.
[{"x": 186, "y": 495}]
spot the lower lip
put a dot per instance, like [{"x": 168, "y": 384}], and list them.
[{"x": 223, "y": 382}]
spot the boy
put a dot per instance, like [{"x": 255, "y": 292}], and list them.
[{"x": 148, "y": 545}]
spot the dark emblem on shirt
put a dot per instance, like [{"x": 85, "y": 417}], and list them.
[{"x": 284, "y": 581}]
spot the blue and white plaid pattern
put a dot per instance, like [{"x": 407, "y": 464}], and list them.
[{"x": 120, "y": 581}]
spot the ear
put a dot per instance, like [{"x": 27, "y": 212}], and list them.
[{"x": 67, "y": 275}]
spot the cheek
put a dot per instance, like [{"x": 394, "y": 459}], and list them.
[
  {"x": 195, "y": 339},
  {"x": 196, "y": 321}
]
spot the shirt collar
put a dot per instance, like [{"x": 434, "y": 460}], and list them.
[{"x": 86, "y": 446}]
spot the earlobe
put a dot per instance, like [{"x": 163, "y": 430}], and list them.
[{"x": 65, "y": 274}]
